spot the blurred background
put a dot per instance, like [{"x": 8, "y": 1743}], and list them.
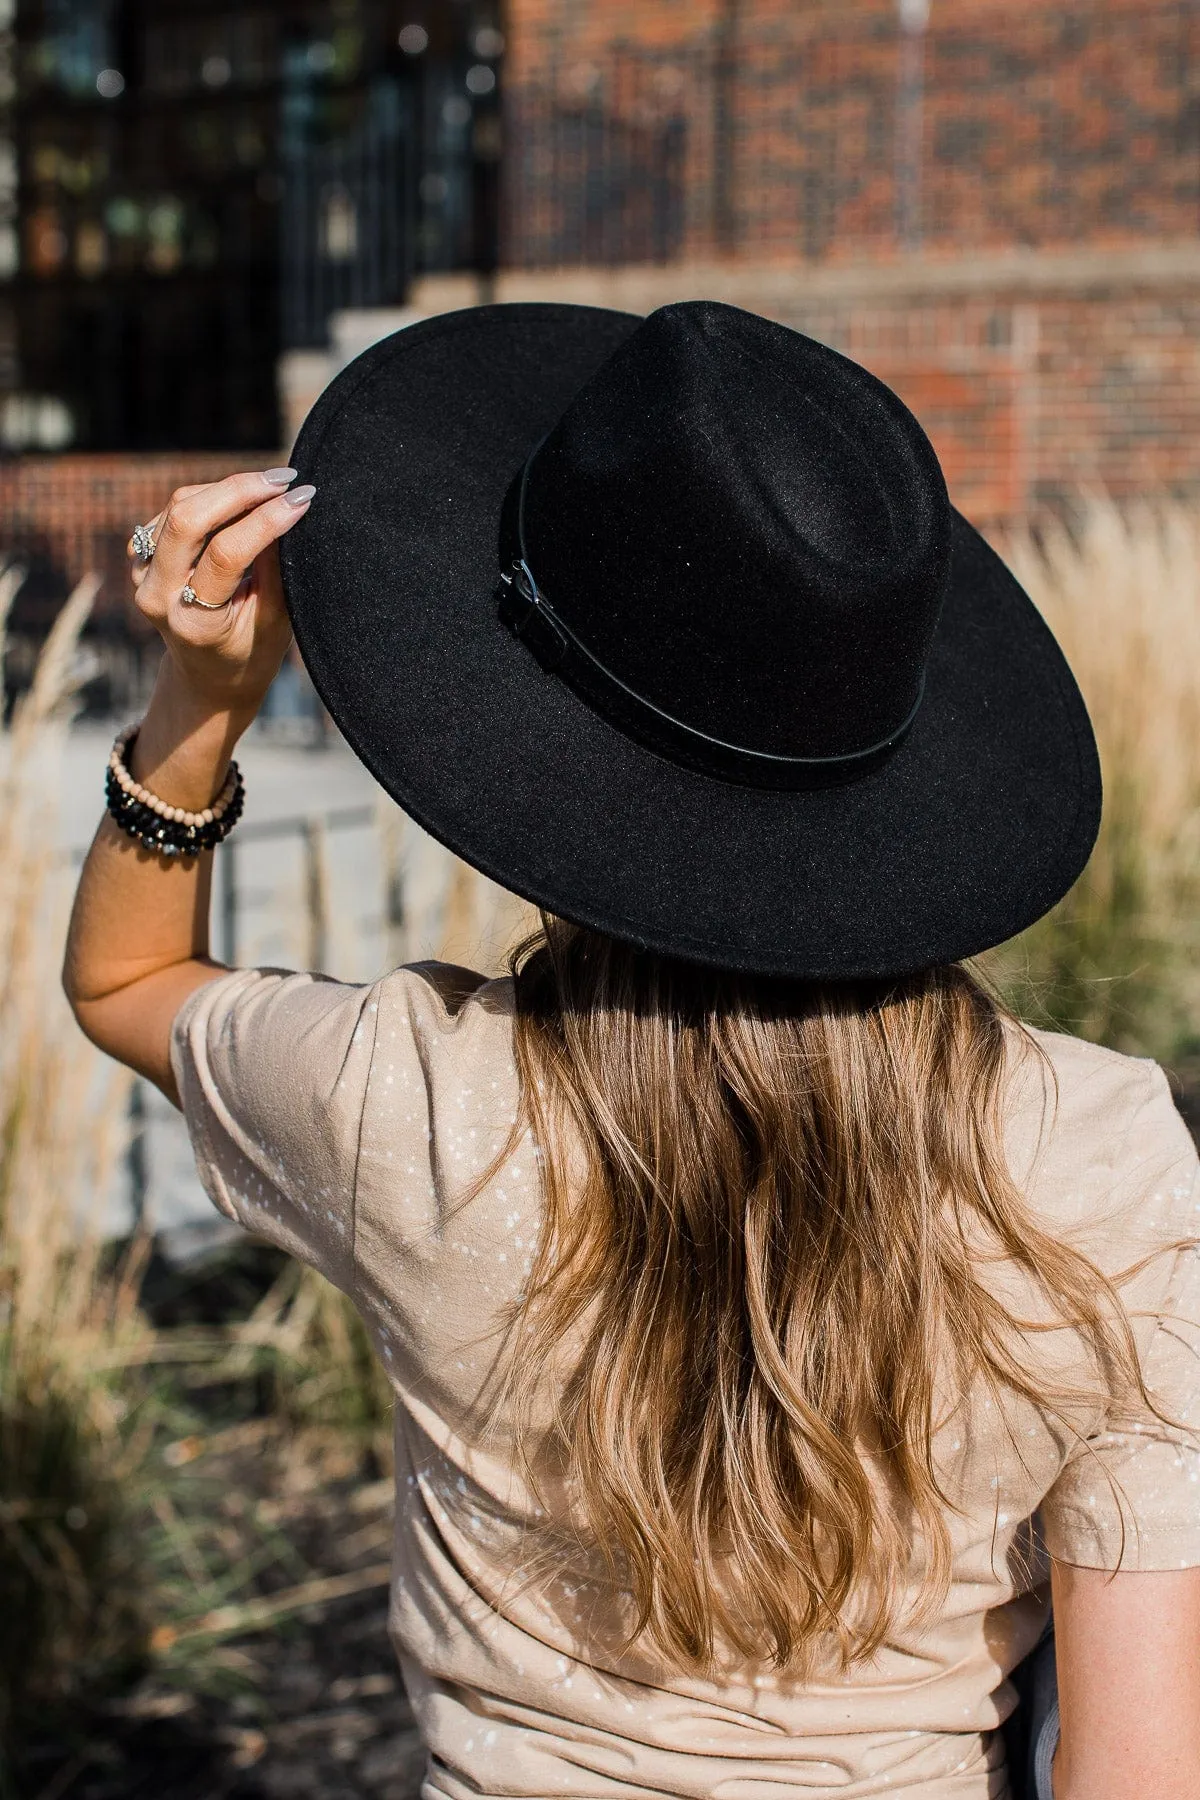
[{"x": 206, "y": 210}]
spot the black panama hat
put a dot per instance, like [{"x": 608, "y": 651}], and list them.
[{"x": 669, "y": 626}]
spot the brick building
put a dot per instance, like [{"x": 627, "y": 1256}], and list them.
[
  {"x": 849, "y": 130},
  {"x": 995, "y": 207}
]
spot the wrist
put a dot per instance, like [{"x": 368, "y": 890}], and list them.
[
  {"x": 185, "y": 742},
  {"x": 178, "y": 697}
]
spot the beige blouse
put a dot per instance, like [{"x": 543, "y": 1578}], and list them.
[{"x": 346, "y": 1123}]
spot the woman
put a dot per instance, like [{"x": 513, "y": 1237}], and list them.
[{"x": 747, "y": 1279}]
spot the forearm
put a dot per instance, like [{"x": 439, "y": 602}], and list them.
[
  {"x": 139, "y": 930},
  {"x": 135, "y": 913},
  {"x": 138, "y": 943}
]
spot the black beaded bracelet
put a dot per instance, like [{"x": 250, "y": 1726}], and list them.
[{"x": 168, "y": 830}]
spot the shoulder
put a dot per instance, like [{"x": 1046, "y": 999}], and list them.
[
  {"x": 280, "y": 1024},
  {"x": 446, "y": 1002},
  {"x": 1097, "y": 1141},
  {"x": 256, "y": 1026},
  {"x": 451, "y": 1027},
  {"x": 442, "y": 1096},
  {"x": 1090, "y": 1084},
  {"x": 1100, "y": 1100}
]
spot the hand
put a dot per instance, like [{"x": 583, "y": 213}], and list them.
[
  {"x": 138, "y": 944},
  {"x": 220, "y": 540}
]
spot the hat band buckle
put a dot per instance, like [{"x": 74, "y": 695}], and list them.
[{"x": 524, "y": 608}]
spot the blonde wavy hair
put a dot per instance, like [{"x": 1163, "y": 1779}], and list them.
[{"x": 768, "y": 1253}]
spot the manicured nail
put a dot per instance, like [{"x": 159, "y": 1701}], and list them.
[
  {"x": 279, "y": 477},
  {"x": 300, "y": 496}
]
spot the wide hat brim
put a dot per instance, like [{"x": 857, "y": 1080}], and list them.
[{"x": 969, "y": 831}]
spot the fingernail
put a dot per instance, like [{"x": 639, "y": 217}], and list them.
[
  {"x": 300, "y": 496},
  {"x": 279, "y": 477}
]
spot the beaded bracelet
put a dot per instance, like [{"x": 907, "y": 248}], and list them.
[{"x": 168, "y": 830}]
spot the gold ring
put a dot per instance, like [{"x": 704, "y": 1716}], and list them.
[{"x": 190, "y": 597}]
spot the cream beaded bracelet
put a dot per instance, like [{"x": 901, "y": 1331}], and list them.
[{"x": 169, "y": 830}]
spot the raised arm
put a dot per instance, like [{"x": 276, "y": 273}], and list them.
[
  {"x": 138, "y": 943},
  {"x": 1128, "y": 1654}
]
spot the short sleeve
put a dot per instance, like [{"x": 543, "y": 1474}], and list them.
[
  {"x": 272, "y": 1071},
  {"x": 1129, "y": 1497}
]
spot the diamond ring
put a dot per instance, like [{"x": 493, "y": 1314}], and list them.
[
  {"x": 190, "y": 597},
  {"x": 142, "y": 543}
]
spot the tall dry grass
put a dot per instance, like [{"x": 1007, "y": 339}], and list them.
[
  {"x": 116, "y": 1558},
  {"x": 1118, "y": 960},
  {"x": 67, "y": 1597}
]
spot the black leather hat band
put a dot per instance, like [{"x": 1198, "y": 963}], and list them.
[{"x": 524, "y": 608}]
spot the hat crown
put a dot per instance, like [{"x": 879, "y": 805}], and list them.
[{"x": 749, "y": 531}]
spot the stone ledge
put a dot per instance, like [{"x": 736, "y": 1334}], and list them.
[{"x": 771, "y": 286}]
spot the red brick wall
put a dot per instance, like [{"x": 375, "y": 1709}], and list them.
[
  {"x": 1031, "y": 401},
  {"x": 63, "y": 516},
  {"x": 814, "y": 130},
  {"x": 1036, "y": 376},
  {"x": 645, "y": 132},
  {"x": 742, "y": 137}
]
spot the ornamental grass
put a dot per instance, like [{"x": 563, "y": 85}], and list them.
[
  {"x": 154, "y": 1451},
  {"x": 1118, "y": 960},
  {"x": 70, "y": 1608}
]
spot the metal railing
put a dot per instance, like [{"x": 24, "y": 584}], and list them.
[
  {"x": 309, "y": 829},
  {"x": 348, "y": 219}
]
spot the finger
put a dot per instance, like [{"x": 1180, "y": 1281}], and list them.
[
  {"x": 139, "y": 562},
  {"x": 154, "y": 525},
  {"x": 231, "y": 553},
  {"x": 140, "y": 570},
  {"x": 194, "y": 515},
  {"x": 241, "y": 593},
  {"x": 140, "y": 565},
  {"x": 160, "y": 581}
]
